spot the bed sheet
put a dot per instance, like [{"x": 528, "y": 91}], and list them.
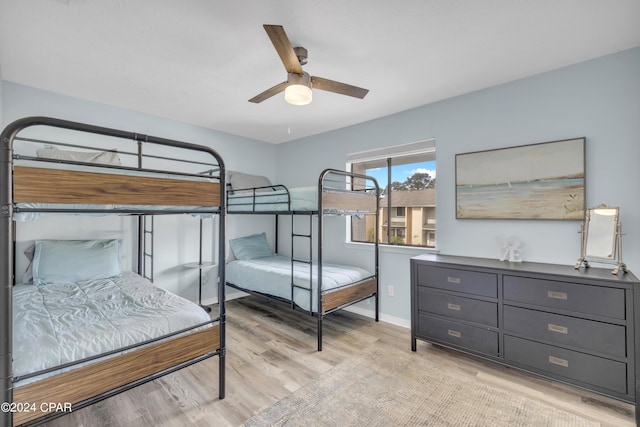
[
  {"x": 272, "y": 276},
  {"x": 302, "y": 199},
  {"x": 59, "y": 323},
  {"x": 200, "y": 211}
]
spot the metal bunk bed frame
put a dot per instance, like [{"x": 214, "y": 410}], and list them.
[
  {"x": 7, "y": 251},
  {"x": 320, "y": 214}
]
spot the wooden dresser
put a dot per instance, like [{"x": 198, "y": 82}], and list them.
[{"x": 574, "y": 326}]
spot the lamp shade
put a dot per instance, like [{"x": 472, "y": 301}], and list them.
[
  {"x": 298, "y": 90},
  {"x": 298, "y": 94}
]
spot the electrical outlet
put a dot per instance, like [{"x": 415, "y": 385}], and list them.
[{"x": 390, "y": 290}]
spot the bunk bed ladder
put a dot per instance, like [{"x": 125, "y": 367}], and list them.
[
  {"x": 146, "y": 242},
  {"x": 308, "y": 260}
]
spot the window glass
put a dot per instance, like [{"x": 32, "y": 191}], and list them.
[{"x": 408, "y": 203}]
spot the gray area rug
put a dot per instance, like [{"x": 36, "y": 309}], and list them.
[{"x": 390, "y": 387}]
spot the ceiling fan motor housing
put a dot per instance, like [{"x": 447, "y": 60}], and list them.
[
  {"x": 302, "y": 54},
  {"x": 299, "y": 79}
]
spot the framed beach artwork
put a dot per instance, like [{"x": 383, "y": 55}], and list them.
[{"x": 536, "y": 181}]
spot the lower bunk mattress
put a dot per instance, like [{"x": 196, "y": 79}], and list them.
[
  {"x": 60, "y": 323},
  {"x": 272, "y": 276}
]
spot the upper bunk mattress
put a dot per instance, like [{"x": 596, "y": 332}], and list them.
[
  {"x": 302, "y": 199},
  {"x": 105, "y": 210},
  {"x": 65, "y": 322},
  {"x": 272, "y": 276},
  {"x": 113, "y": 191}
]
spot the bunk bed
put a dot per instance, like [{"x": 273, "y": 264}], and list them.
[
  {"x": 306, "y": 281},
  {"x": 127, "y": 331}
]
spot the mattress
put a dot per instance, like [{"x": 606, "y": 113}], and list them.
[
  {"x": 60, "y": 323},
  {"x": 272, "y": 276},
  {"x": 302, "y": 199},
  {"x": 200, "y": 211}
]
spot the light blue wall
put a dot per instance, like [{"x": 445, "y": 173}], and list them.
[
  {"x": 22, "y": 101},
  {"x": 176, "y": 238},
  {"x": 598, "y": 99}
]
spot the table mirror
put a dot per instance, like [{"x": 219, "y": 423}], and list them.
[{"x": 601, "y": 238}]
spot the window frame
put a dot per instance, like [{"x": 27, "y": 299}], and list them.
[{"x": 385, "y": 155}]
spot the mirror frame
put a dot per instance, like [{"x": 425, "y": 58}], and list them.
[{"x": 615, "y": 237}]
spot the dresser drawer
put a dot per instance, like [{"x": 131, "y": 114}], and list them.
[
  {"x": 470, "y": 282},
  {"x": 603, "y": 338},
  {"x": 601, "y": 301},
  {"x": 596, "y": 371},
  {"x": 460, "y": 335},
  {"x": 472, "y": 310}
]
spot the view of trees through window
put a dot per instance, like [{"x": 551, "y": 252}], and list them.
[
  {"x": 407, "y": 205},
  {"x": 417, "y": 181}
]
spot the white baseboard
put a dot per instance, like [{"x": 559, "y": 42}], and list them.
[
  {"x": 231, "y": 296},
  {"x": 358, "y": 310},
  {"x": 383, "y": 317}
]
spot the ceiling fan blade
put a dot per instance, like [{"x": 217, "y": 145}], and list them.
[
  {"x": 269, "y": 93},
  {"x": 337, "y": 87},
  {"x": 283, "y": 47}
]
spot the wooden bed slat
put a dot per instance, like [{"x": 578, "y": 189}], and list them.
[
  {"x": 346, "y": 295},
  {"x": 88, "y": 381},
  {"x": 349, "y": 201},
  {"x": 41, "y": 185}
]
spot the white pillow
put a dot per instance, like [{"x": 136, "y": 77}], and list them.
[
  {"x": 102, "y": 157},
  {"x": 239, "y": 180},
  {"x": 64, "y": 261},
  {"x": 251, "y": 247}
]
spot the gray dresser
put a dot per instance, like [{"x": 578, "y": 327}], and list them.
[{"x": 575, "y": 326}]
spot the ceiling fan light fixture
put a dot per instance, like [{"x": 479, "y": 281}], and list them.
[
  {"x": 298, "y": 94},
  {"x": 298, "y": 90}
]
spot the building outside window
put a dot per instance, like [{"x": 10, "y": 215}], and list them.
[{"x": 406, "y": 175}]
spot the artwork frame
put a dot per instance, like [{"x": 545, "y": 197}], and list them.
[{"x": 544, "y": 181}]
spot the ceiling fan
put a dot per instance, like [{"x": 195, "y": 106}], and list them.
[{"x": 297, "y": 88}]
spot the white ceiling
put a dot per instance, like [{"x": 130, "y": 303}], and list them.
[{"x": 199, "y": 61}]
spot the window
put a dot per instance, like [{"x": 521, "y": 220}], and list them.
[{"x": 406, "y": 175}]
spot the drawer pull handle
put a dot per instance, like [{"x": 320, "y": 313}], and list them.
[
  {"x": 560, "y": 362},
  {"x": 454, "y": 333},
  {"x": 455, "y": 307},
  {"x": 557, "y": 295},
  {"x": 558, "y": 329},
  {"x": 453, "y": 280}
]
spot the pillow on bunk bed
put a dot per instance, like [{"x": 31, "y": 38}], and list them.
[
  {"x": 239, "y": 181},
  {"x": 251, "y": 247},
  {"x": 62, "y": 261},
  {"x": 102, "y": 157}
]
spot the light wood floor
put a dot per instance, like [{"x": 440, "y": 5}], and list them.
[{"x": 271, "y": 352}]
